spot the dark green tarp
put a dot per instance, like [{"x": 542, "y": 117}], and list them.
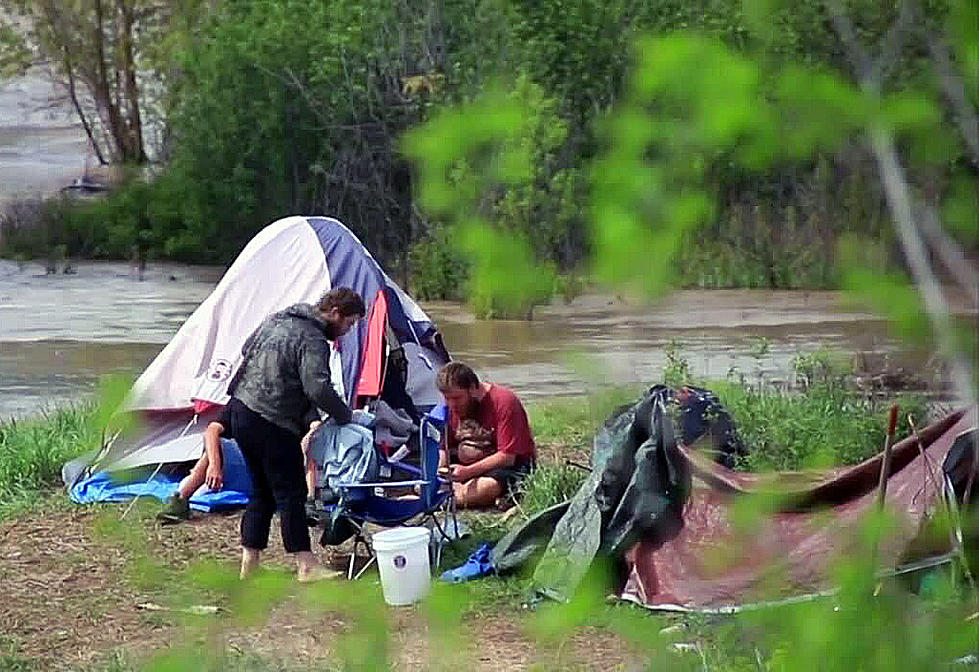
[{"x": 636, "y": 490}]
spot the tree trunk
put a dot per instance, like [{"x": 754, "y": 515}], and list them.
[
  {"x": 134, "y": 128},
  {"x": 73, "y": 94}
]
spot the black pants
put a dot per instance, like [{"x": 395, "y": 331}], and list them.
[{"x": 275, "y": 461}]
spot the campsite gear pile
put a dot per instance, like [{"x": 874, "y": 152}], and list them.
[
  {"x": 393, "y": 428},
  {"x": 384, "y": 502},
  {"x": 343, "y": 454},
  {"x": 393, "y": 355},
  {"x": 664, "y": 516}
]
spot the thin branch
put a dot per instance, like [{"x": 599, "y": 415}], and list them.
[
  {"x": 855, "y": 50},
  {"x": 897, "y": 192},
  {"x": 73, "y": 95},
  {"x": 950, "y": 252},
  {"x": 955, "y": 92},
  {"x": 893, "y": 42}
]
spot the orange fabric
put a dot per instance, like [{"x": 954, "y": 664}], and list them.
[{"x": 372, "y": 364}]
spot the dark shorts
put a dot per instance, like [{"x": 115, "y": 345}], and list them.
[{"x": 509, "y": 477}]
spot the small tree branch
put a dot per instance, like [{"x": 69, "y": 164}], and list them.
[
  {"x": 73, "y": 95},
  {"x": 897, "y": 192},
  {"x": 893, "y": 42},
  {"x": 954, "y": 90},
  {"x": 950, "y": 252}
]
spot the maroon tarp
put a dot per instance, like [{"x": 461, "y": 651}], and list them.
[{"x": 718, "y": 562}]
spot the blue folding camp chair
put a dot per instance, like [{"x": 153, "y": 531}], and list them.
[{"x": 434, "y": 498}]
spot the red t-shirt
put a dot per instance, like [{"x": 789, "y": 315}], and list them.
[{"x": 501, "y": 411}]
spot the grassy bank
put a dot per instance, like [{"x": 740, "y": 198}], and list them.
[
  {"x": 32, "y": 452},
  {"x": 828, "y": 423}
]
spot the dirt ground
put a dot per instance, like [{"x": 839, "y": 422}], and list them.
[{"x": 72, "y": 596}]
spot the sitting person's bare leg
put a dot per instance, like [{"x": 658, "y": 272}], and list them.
[
  {"x": 477, "y": 493},
  {"x": 193, "y": 480},
  {"x": 311, "y": 464}
]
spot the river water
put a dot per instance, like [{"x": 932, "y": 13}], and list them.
[
  {"x": 42, "y": 144},
  {"x": 59, "y": 333}
]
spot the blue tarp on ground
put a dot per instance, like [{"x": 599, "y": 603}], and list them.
[{"x": 107, "y": 487}]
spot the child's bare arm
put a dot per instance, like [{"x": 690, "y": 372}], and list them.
[{"x": 214, "y": 477}]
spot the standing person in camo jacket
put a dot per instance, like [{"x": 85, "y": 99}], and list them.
[{"x": 284, "y": 378}]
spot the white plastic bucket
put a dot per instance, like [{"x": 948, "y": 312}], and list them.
[{"x": 402, "y": 559}]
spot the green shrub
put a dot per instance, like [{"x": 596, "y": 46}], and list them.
[{"x": 438, "y": 271}]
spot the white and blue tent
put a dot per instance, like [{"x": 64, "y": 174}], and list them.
[{"x": 292, "y": 260}]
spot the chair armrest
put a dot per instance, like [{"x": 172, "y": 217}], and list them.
[{"x": 384, "y": 484}]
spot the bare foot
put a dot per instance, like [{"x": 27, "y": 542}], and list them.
[
  {"x": 316, "y": 573},
  {"x": 249, "y": 562}
]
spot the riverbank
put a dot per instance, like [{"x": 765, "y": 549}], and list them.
[{"x": 830, "y": 422}]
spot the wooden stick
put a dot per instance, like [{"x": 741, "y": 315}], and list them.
[{"x": 885, "y": 466}]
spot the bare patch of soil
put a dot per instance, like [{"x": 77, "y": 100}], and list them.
[{"x": 75, "y": 586}]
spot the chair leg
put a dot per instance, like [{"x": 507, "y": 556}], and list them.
[
  {"x": 370, "y": 562},
  {"x": 353, "y": 559}
]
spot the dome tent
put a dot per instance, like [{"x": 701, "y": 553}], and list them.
[{"x": 292, "y": 260}]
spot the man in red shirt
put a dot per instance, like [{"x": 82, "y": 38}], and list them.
[{"x": 488, "y": 445}]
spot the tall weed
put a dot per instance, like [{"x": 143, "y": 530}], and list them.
[
  {"x": 822, "y": 426},
  {"x": 550, "y": 485}
]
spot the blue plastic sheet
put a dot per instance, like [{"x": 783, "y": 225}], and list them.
[{"x": 108, "y": 487}]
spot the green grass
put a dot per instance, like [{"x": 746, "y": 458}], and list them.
[
  {"x": 573, "y": 421},
  {"x": 563, "y": 430},
  {"x": 11, "y": 659},
  {"x": 549, "y": 485},
  {"x": 33, "y": 451}
]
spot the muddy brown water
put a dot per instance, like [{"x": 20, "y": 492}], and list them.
[{"x": 60, "y": 333}]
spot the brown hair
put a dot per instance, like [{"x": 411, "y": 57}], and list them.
[
  {"x": 345, "y": 300},
  {"x": 456, "y": 375}
]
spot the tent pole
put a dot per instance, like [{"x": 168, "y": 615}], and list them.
[
  {"x": 955, "y": 531},
  {"x": 193, "y": 421},
  {"x": 885, "y": 465}
]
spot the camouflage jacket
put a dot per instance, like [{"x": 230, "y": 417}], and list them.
[{"x": 285, "y": 374}]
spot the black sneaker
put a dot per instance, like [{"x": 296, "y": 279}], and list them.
[{"x": 175, "y": 509}]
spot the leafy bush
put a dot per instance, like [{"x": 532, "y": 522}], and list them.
[{"x": 438, "y": 271}]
